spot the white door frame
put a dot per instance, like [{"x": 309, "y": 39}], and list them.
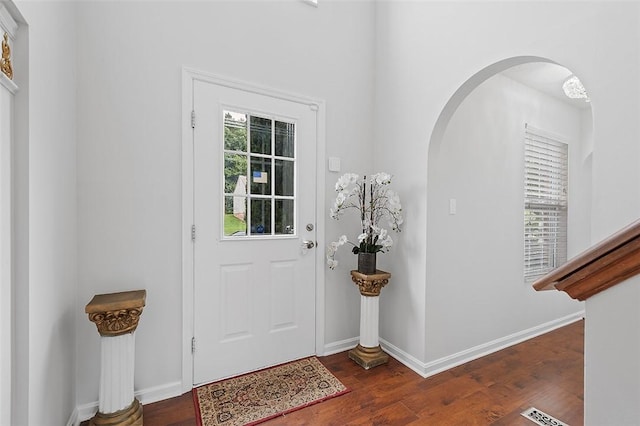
[
  {"x": 8, "y": 307},
  {"x": 7, "y": 293},
  {"x": 190, "y": 75}
]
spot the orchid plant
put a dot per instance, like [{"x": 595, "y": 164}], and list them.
[{"x": 374, "y": 201}]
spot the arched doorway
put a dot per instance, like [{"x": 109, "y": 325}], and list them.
[{"x": 475, "y": 205}]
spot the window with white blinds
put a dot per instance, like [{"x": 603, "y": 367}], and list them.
[{"x": 545, "y": 203}]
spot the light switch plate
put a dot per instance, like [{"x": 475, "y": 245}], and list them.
[{"x": 334, "y": 164}]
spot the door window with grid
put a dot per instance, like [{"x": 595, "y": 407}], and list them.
[
  {"x": 545, "y": 203},
  {"x": 259, "y": 175}
]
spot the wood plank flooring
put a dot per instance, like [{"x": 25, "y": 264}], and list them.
[{"x": 545, "y": 372}]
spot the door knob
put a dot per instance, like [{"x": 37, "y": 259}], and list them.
[{"x": 308, "y": 244}]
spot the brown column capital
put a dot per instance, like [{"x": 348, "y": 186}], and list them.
[
  {"x": 116, "y": 313},
  {"x": 370, "y": 284}
]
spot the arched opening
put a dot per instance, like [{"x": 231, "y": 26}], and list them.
[{"x": 475, "y": 204}]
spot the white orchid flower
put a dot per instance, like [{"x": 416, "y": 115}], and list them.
[
  {"x": 345, "y": 180},
  {"x": 382, "y": 178}
]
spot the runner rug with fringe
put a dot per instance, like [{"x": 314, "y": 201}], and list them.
[{"x": 262, "y": 395}]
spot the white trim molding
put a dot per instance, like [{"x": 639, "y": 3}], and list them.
[
  {"x": 145, "y": 396},
  {"x": 7, "y": 22},
  {"x": 187, "y": 221},
  {"x": 439, "y": 365},
  {"x": 340, "y": 346},
  {"x": 7, "y": 257},
  {"x": 8, "y": 84}
]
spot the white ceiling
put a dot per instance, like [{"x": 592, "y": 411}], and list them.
[{"x": 547, "y": 78}]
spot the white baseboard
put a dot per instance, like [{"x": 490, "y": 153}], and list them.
[
  {"x": 405, "y": 358},
  {"x": 145, "y": 396},
  {"x": 73, "y": 419},
  {"x": 159, "y": 393},
  {"x": 434, "y": 367},
  {"x": 83, "y": 412},
  {"x": 341, "y": 346}
]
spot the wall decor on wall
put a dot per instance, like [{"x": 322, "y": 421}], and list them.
[{"x": 5, "y": 62}]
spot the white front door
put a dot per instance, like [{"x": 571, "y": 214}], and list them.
[{"x": 254, "y": 208}]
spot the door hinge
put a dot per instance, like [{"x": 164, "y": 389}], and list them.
[
  {"x": 193, "y": 345},
  {"x": 193, "y": 232},
  {"x": 193, "y": 119}
]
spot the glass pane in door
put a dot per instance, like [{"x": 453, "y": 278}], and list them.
[
  {"x": 260, "y": 216},
  {"x": 260, "y": 129},
  {"x": 235, "y": 216},
  {"x": 284, "y": 217},
  {"x": 235, "y": 131},
  {"x": 260, "y": 175},
  {"x": 284, "y": 177},
  {"x": 285, "y": 139},
  {"x": 235, "y": 173}
]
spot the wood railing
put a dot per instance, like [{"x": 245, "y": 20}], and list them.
[{"x": 604, "y": 265}]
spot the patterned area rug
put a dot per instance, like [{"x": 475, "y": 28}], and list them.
[{"x": 257, "y": 397}]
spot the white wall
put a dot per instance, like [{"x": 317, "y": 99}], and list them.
[
  {"x": 581, "y": 178},
  {"x": 50, "y": 296},
  {"x": 612, "y": 351},
  {"x": 427, "y": 50},
  {"x": 130, "y": 57},
  {"x": 476, "y": 291}
]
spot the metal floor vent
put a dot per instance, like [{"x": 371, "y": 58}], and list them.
[{"x": 541, "y": 418}]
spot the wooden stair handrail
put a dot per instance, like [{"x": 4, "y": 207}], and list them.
[{"x": 604, "y": 265}]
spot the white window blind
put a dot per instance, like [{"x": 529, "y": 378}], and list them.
[{"x": 545, "y": 203}]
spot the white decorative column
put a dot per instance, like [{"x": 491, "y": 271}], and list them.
[
  {"x": 368, "y": 353},
  {"x": 116, "y": 315}
]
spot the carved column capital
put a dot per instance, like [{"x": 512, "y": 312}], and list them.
[
  {"x": 116, "y": 313},
  {"x": 370, "y": 284},
  {"x": 115, "y": 323}
]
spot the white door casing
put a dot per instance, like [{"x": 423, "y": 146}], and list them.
[
  {"x": 8, "y": 90},
  {"x": 254, "y": 299}
]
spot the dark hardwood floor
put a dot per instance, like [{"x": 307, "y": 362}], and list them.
[{"x": 545, "y": 372}]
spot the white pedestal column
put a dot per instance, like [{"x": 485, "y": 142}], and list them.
[
  {"x": 369, "y": 318},
  {"x": 368, "y": 353},
  {"x": 117, "y": 357},
  {"x": 116, "y": 316}
]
